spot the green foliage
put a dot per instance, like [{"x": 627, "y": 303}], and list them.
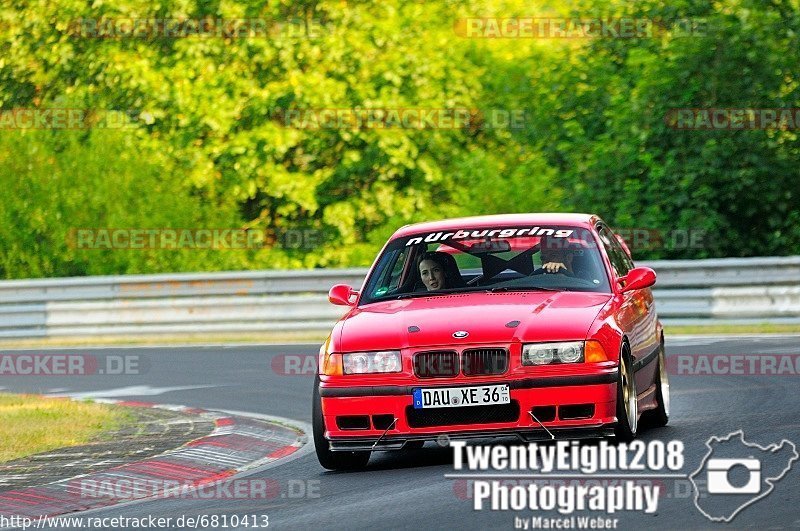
[
  {"x": 55, "y": 183},
  {"x": 627, "y": 163},
  {"x": 210, "y": 146}
]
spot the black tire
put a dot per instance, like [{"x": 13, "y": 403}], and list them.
[
  {"x": 627, "y": 402},
  {"x": 659, "y": 416},
  {"x": 327, "y": 458}
]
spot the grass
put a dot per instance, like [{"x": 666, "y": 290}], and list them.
[
  {"x": 725, "y": 329},
  {"x": 175, "y": 339},
  {"x": 319, "y": 337},
  {"x": 33, "y": 424}
]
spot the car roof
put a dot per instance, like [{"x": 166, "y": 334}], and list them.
[{"x": 499, "y": 220}]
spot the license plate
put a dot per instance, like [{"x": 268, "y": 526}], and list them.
[{"x": 483, "y": 395}]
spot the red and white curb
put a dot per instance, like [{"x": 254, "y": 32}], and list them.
[{"x": 237, "y": 444}]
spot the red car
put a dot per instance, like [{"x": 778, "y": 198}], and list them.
[{"x": 528, "y": 325}]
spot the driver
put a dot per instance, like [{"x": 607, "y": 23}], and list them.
[
  {"x": 438, "y": 270},
  {"x": 431, "y": 271}
]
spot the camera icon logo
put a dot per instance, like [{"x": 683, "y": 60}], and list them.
[
  {"x": 735, "y": 474},
  {"x": 719, "y": 482}
]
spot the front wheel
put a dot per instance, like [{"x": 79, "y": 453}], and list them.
[
  {"x": 627, "y": 401},
  {"x": 327, "y": 458},
  {"x": 660, "y": 415}
]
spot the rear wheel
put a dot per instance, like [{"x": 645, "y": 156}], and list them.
[
  {"x": 627, "y": 402},
  {"x": 327, "y": 458}
]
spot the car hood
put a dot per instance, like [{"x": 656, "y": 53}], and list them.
[{"x": 486, "y": 317}]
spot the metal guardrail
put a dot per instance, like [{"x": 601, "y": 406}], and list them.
[{"x": 734, "y": 290}]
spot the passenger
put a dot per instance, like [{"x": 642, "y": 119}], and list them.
[
  {"x": 557, "y": 261},
  {"x": 557, "y": 255}
]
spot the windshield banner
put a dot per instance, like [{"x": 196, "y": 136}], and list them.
[{"x": 486, "y": 233}]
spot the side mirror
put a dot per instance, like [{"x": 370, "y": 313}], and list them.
[
  {"x": 340, "y": 295},
  {"x": 638, "y": 278}
]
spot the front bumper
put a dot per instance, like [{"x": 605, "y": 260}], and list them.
[
  {"x": 569, "y": 406},
  {"x": 398, "y": 442}
]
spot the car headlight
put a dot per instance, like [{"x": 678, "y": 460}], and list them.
[
  {"x": 546, "y": 353},
  {"x": 372, "y": 362}
]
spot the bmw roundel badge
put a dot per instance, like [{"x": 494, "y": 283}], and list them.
[{"x": 461, "y": 334}]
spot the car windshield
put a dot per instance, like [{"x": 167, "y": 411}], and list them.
[{"x": 546, "y": 258}]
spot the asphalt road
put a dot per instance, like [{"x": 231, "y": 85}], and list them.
[{"x": 409, "y": 490}]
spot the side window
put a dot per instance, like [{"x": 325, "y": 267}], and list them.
[
  {"x": 620, "y": 260},
  {"x": 389, "y": 278},
  {"x": 625, "y": 255},
  {"x": 397, "y": 270}
]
